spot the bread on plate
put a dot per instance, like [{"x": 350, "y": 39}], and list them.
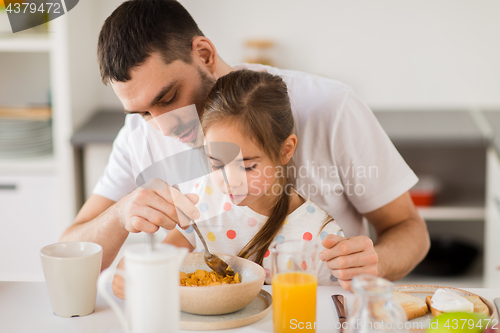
[
  {"x": 477, "y": 305},
  {"x": 414, "y": 307}
]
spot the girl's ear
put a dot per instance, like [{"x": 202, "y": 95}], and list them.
[
  {"x": 288, "y": 148},
  {"x": 205, "y": 53}
]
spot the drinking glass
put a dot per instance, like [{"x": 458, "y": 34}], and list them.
[
  {"x": 374, "y": 309},
  {"x": 294, "y": 281}
]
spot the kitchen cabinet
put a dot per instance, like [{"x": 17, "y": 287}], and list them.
[
  {"x": 40, "y": 195},
  {"x": 449, "y": 146},
  {"x": 492, "y": 230},
  {"x": 29, "y": 222}
]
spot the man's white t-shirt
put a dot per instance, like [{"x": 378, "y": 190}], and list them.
[{"x": 344, "y": 163}]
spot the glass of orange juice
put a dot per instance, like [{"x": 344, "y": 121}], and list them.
[{"x": 294, "y": 280}]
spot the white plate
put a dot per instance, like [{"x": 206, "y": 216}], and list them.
[
  {"x": 26, "y": 153},
  {"x": 255, "y": 311},
  {"x": 23, "y": 125},
  {"x": 43, "y": 137},
  {"x": 24, "y": 133},
  {"x": 25, "y": 136},
  {"x": 423, "y": 290},
  {"x": 25, "y": 142}
]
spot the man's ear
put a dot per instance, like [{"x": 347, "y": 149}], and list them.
[
  {"x": 205, "y": 53},
  {"x": 288, "y": 148}
]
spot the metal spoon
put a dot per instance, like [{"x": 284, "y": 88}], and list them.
[{"x": 212, "y": 260}]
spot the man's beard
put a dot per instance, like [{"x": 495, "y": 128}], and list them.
[{"x": 206, "y": 84}]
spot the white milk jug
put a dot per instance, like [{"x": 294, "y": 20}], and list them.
[{"x": 152, "y": 303}]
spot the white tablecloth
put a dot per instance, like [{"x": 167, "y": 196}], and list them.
[{"x": 25, "y": 308}]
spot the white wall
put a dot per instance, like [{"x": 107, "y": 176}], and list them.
[
  {"x": 394, "y": 53},
  {"x": 106, "y": 95},
  {"x": 88, "y": 92}
]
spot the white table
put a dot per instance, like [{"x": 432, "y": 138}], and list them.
[{"x": 25, "y": 307}]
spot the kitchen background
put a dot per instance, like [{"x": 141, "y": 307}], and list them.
[{"x": 429, "y": 69}]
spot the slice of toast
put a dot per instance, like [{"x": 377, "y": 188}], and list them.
[
  {"x": 414, "y": 307},
  {"x": 479, "y": 305},
  {"x": 435, "y": 312}
]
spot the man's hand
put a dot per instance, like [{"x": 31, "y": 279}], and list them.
[
  {"x": 154, "y": 205},
  {"x": 348, "y": 257}
]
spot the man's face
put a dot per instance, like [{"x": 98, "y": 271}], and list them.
[{"x": 161, "y": 94}]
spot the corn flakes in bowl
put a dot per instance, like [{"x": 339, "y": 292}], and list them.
[{"x": 219, "y": 298}]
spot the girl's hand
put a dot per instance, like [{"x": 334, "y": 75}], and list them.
[
  {"x": 348, "y": 257},
  {"x": 118, "y": 283}
]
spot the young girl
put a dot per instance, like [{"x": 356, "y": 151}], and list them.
[{"x": 251, "y": 110}]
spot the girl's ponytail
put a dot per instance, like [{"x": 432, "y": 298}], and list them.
[{"x": 258, "y": 245}]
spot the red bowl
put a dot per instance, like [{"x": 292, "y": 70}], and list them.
[{"x": 423, "y": 198}]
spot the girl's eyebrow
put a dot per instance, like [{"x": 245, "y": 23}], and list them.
[
  {"x": 244, "y": 158},
  {"x": 249, "y": 158}
]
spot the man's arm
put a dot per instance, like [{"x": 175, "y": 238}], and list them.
[
  {"x": 98, "y": 222},
  {"x": 146, "y": 209},
  {"x": 402, "y": 242},
  {"x": 402, "y": 237}
]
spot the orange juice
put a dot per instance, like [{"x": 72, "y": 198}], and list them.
[{"x": 294, "y": 302}]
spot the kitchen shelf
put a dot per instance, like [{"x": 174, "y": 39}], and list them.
[
  {"x": 101, "y": 128},
  {"x": 421, "y": 128},
  {"x": 456, "y": 205},
  {"x": 449, "y": 146},
  {"x": 450, "y": 213},
  {"x": 26, "y": 43}
]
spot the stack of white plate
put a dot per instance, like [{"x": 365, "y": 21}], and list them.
[{"x": 25, "y": 138}]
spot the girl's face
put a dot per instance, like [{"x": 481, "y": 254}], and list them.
[{"x": 251, "y": 175}]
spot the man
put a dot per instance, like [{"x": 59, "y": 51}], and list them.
[{"x": 158, "y": 61}]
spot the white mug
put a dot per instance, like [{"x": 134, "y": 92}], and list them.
[
  {"x": 71, "y": 270},
  {"x": 152, "y": 302}
]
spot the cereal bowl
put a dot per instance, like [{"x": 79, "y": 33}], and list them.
[{"x": 225, "y": 298}]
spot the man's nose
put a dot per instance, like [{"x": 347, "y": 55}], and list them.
[{"x": 166, "y": 122}]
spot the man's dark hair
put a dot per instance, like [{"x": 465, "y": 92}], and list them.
[{"x": 139, "y": 27}]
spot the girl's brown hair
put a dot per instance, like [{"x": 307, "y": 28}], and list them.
[{"x": 259, "y": 103}]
